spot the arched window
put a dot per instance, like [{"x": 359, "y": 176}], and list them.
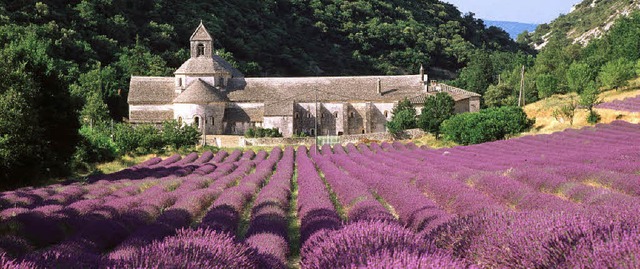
[
  {"x": 335, "y": 114},
  {"x": 312, "y": 132},
  {"x": 297, "y": 115},
  {"x": 362, "y": 131},
  {"x": 352, "y": 114},
  {"x": 196, "y": 121},
  {"x": 386, "y": 114},
  {"x": 200, "y": 50},
  {"x": 180, "y": 121}
]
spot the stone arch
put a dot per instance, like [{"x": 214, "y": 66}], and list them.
[{"x": 196, "y": 121}]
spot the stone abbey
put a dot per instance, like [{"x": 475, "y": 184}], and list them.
[{"x": 209, "y": 92}]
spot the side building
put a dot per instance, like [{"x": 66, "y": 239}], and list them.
[{"x": 208, "y": 92}]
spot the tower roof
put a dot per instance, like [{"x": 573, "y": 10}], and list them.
[
  {"x": 201, "y": 34},
  {"x": 200, "y": 92}
]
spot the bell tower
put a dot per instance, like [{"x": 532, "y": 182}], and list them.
[{"x": 201, "y": 43}]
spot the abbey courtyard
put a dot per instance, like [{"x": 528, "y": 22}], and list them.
[{"x": 210, "y": 93}]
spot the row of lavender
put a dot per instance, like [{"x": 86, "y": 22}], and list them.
[
  {"x": 527, "y": 202},
  {"x": 547, "y": 201},
  {"x": 108, "y": 223},
  {"x": 631, "y": 104}
]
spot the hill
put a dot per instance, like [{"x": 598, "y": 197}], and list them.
[
  {"x": 512, "y": 28},
  {"x": 588, "y": 20}
]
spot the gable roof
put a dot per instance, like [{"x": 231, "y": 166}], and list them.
[
  {"x": 201, "y": 34},
  {"x": 151, "y": 90},
  {"x": 208, "y": 66},
  {"x": 200, "y": 92}
]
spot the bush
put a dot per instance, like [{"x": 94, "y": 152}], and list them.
[
  {"x": 95, "y": 145},
  {"x": 177, "y": 136},
  {"x": 487, "y": 125},
  {"x": 148, "y": 138},
  {"x": 263, "y": 132},
  {"x": 593, "y": 117}
]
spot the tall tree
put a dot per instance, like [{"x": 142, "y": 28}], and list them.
[{"x": 437, "y": 109}]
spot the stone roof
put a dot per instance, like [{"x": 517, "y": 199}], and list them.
[
  {"x": 456, "y": 93},
  {"x": 201, "y": 34},
  {"x": 284, "y": 108},
  {"x": 200, "y": 92},
  {"x": 336, "y": 89},
  {"x": 237, "y": 114},
  {"x": 208, "y": 66},
  {"x": 151, "y": 90},
  {"x": 150, "y": 116}
]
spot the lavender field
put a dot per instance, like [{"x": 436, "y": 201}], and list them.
[
  {"x": 565, "y": 200},
  {"x": 631, "y": 104}
]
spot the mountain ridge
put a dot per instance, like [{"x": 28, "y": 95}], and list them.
[{"x": 511, "y": 27}]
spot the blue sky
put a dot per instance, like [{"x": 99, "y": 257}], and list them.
[{"x": 528, "y": 11}]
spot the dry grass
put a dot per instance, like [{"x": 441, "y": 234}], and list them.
[
  {"x": 430, "y": 141},
  {"x": 546, "y": 123},
  {"x": 122, "y": 163}
]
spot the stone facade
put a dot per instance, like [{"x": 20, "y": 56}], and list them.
[{"x": 208, "y": 92}]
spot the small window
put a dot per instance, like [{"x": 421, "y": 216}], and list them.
[
  {"x": 200, "y": 49},
  {"x": 297, "y": 115},
  {"x": 335, "y": 114},
  {"x": 352, "y": 114},
  {"x": 180, "y": 121},
  {"x": 309, "y": 115},
  {"x": 386, "y": 114},
  {"x": 221, "y": 82},
  {"x": 211, "y": 120},
  {"x": 312, "y": 131},
  {"x": 321, "y": 115},
  {"x": 196, "y": 121},
  {"x": 179, "y": 82},
  {"x": 362, "y": 131}
]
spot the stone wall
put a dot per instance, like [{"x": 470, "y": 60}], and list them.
[{"x": 343, "y": 139}]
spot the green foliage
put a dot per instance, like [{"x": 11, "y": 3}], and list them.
[
  {"x": 403, "y": 117},
  {"x": 579, "y": 76},
  {"x": 177, "y": 136},
  {"x": 95, "y": 145},
  {"x": 262, "y": 132},
  {"x": 478, "y": 74},
  {"x": 500, "y": 95},
  {"x": 593, "y": 117},
  {"x": 436, "y": 110},
  {"x": 566, "y": 111},
  {"x": 547, "y": 85},
  {"x": 616, "y": 73},
  {"x": 487, "y": 125},
  {"x": 38, "y": 121},
  {"x": 589, "y": 98}
]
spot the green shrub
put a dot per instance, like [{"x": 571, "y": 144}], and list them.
[
  {"x": 262, "y": 132},
  {"x": 436, "y": 110},
  {"x": 95, "y": 145},
  {"x": 593, "y": 117},
  {"x": 177, "y": 136},
  {"x": 487, "y": 125}
]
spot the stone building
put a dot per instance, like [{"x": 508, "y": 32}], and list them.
[{"x": 209, "y": 92}]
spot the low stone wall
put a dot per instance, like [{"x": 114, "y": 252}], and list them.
[
  {"x": 278, "y": 141},
  {"x": 343, "y": 139}
]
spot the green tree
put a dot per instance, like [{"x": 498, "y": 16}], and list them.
[
  {"x": 567, "y": 111},
  {"x": 616, "y": 73},
  {"x": 437, "y": 108},
  {"x": 547, "y": 85},
  {"x": 487, "y": 125},
  {"x": 478, "y": 74},
  {"x": 500, "y": 95},
  {"x": 177, "y": 136},
  {"x": 579, "y": 76},
  {"x": 403, "y": 117},
  {"x": 589, "y": 98}
]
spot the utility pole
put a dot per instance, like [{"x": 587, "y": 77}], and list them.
[
  {"x": 521, "y": 95},
  {"x": 316, "y": 119}
]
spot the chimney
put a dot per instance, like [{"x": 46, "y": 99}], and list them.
[
  {"x": 422, "y": 73},
  {"x": 379, "y": 87}
]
